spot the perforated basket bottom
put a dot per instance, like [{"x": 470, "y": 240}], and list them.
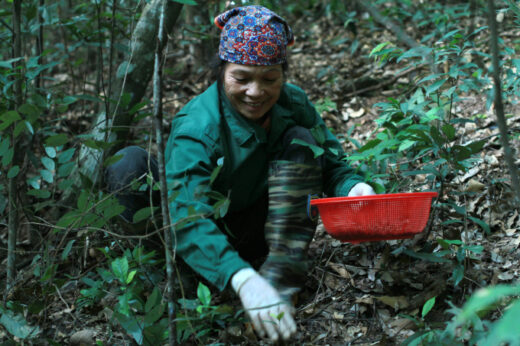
[{"x": 376, "y": 219}]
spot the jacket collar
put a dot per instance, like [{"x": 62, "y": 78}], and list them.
[{"x": 243, "y": 130}]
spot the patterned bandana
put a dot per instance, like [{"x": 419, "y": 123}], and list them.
[{"x": 253, "y": 35}]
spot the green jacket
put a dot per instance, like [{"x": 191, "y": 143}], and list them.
[{"x": 208, "y": 133}]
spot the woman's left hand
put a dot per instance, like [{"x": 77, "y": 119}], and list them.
[{"x": 361, "y": 189}]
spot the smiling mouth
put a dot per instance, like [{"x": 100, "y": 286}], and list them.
[{"x": 254, "y": 104}]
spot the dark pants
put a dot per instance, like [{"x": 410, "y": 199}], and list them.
[{"x": 126, "y": 177}]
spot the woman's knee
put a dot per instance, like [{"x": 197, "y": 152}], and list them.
[
  {"x": 297, "y": 152},
  {"x": 135, "y": 163}
]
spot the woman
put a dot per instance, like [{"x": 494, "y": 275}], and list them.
[{"x": 258, "y": 132}]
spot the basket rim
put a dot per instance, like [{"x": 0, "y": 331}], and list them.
[{"x": 387, "y": 196}]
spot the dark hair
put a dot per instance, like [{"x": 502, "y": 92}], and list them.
[{"x": 218, "y": 65}]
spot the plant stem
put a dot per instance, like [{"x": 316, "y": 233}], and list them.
[
  {"x": 168, "y": 230},
  {"x": 499, "y": 106}
]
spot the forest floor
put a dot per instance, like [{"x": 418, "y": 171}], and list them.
[{"x": 357, "y": 293}]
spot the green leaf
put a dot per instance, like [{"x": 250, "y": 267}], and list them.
[
  {"x": 8, "y": 157},
  {"x": 426, "y": 256},
  {"x": 449, "y": 131},
  {"x": 47, "y": 176},
  {"x": 317, "y": 151},
  {"x": 8, "y": 118},
  {"x": 144, "y": 213},
  {"x": 51, "y": 152},
  {"x": 67, "y": 249},
  {"x": 131, "y": 325},
  {"x": 9, "y": 63},
  {"x": 416, "y": 52},
  {"x": 153, "y": 300},
  {"x": 4, "y": 146},
  {"x": 378, "y": 48},
  {"x": 16, "y": 325},
  {"x": 476, "y": 147},
  {"x": 221, "y": 207},
  {"x": 482, "y": 299},
  {"x": 481, "y": 223},
  {"x": 34, "y": 182},
  {"x": 82, "y": 203},
  {"x": 65, "y": 184},
  {"x": 154, "y": 314},
  {"x": 458, "y": 274},
  {"x": 318, "y": 134},
  {"x": 120, "y": 269},
  {"x": 39, "y": 193},
  {"x": 427, "y": 306},
  {"x": 112, "y": 210},
  {"x": 69, "y": 100},
  {"x": 56, "y": 140},
  {"x": 29, "y": 110},
  {"x": 406, "y": 144},
  {"x": 112, "y": 159},
  {"x": 334, "y": 152},
  {"x": 435, "y": 86},
  {"x": 13, "y": 172},
  {"x": 66, "y": 169},
  {"x": 99, "y": 145},
  {"x": 505, "y": 331},
  {"x": 204, "y": 294},
  {"x": 66, "y": 155},
  {"x": 19, "y": 128},
  {"x": 131, "y": 276},
  {"x": 48, "y": 163},
  {"x": 216, "y": 171}
]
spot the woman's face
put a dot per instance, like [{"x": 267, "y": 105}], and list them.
[{"x": 252, "y": 90}]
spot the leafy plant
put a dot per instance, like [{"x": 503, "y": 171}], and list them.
[
  {"x": 199, "y": 317},
  {"x": 11, "y": 317},
  {"x": 129, "y": 280},
  {"x": 453, "y": 251},
  {"x": 469, "y": 326}
]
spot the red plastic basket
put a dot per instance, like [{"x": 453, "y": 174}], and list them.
[{"x": 375, "y": 217}]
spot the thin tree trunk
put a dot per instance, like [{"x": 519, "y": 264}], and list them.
[
  {"x": 158, "y": 116},
  {"x": 499, "y": 107},
  {"x": 12, "y": 191}
]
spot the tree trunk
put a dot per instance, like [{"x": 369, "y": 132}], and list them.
[{"x": 132, "y": 78}]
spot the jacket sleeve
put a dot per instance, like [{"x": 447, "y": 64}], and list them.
[
  {"x": 199, "y": 241},
  {"x": 338, "y": 177}
]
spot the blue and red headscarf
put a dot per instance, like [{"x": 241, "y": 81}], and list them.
[{"x": 253, "y": 35}]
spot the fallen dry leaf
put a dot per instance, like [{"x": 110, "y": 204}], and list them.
[
  {"x": 474, "y": 186},
  {"x": 398, "y": 302}
]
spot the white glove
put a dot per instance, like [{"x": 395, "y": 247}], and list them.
[
  {"x": 361, "y": 189},
  {"x": 269, "y": 314}
]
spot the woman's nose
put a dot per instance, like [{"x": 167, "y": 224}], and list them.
[{"x": 254, "y": 90}]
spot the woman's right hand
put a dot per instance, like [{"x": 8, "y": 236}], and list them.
[{"x": 270, "y": 315}]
